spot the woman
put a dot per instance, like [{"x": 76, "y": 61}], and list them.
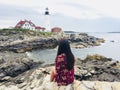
[{"x": 63, "y": 73}]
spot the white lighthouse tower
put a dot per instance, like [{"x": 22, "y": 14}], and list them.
[{"x": 47, "y": 20}]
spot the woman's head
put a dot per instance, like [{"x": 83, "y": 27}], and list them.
[{"x": 64, "y": 47}]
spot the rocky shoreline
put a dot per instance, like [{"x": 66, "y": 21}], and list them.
[
  {"x": 25, "y": 74},
  {"x": 98, "y": 68},
  {"x": 20, "y": 42},
  {"x": 18, "y": 72}
]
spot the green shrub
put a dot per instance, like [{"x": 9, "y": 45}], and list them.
[
  {"x": 94, "y": 57},
  {"x": 26, "y": 32}
]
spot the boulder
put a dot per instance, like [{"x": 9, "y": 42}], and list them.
[
  {"x": 2, "y": 60},
  {"x": 15, "y": 68},
  {"x": 24, "y": 46},
  {"x": 45, "y": 84}
]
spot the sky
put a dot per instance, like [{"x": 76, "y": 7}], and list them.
[{"x": 70, "y": 15}]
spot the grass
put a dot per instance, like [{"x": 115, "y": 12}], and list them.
[
  {"x": 8, "y": 31},
  {"x": 94, "y": 57}
]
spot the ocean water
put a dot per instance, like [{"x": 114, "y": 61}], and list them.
[{"x": 107, "y": 49}]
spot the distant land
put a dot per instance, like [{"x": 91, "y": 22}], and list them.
[
  {"x": 113, "y": 32},
  {"x": 69, "y": 31}
]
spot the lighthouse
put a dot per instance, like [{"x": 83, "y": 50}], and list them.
[{"x": 47, "y": 20}]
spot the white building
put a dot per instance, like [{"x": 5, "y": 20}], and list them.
[{"x": 25, "y": 24}]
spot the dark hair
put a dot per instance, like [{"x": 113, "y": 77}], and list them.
[{"x": 64, "y": 47}]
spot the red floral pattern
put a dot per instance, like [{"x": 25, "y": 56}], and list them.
[{"x": 63, "y": 76}]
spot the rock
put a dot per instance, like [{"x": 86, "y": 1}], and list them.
[
  {"x": 15, "y": 68},
  {"x": 29, "y": 45},
  {"x": 21, "y": 41},
  {"x": 84, "y": 40},
  {"x": 112, "y": 41},
  {"x": 78, "y": 46},
  {"x": 77, "y": 85},
  {"x": 115, "y": 86},
  {"x": 39, "y": 79},
  {"x": 20, "y": 50},
  {"x": 92, "y": 71},
  {"x": 96, "y": 57},
  {"x": 97, "y": 67},
  {"x": 2, "y": 60}
]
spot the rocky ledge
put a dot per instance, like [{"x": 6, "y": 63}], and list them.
[
  {"x": 14, "y": 65},
  {"x": 27, "y": 45},
  {"x": 20, "y": 41},
  {"x": 98, "y": 68},
  {"x": 93, "y": 73},
  {"x": 83, "y": 40}
]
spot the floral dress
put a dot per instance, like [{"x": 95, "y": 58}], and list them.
[{"x": 63, "y": 76}]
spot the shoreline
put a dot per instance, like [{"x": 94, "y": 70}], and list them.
[
  {"x": 19, "y": 72},
  {"x": 21, "y": 41},
  {"x": 24, "y": 73}
]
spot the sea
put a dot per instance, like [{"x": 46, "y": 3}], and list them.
[{"x": 110, "y": 49}]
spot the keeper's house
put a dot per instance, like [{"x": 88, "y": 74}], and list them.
[{"x": 25, "y": 24}]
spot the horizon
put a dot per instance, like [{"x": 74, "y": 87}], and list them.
[{"x": 70, "y": 15}]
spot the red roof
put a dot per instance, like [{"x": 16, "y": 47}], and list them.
[
  {"x": 56, "y": 29},
  {"x": 39, "y": 28},
  {"x": 21, "y": 23}
]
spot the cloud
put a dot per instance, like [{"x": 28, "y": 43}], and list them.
[
  {"x": 10, "y": 14},
  {"x": 107, "y": 7},
  {"x": 105, "y": 24},
  {"x": 16, "y": 10},
  {"x": 7, "y": 23},
  {"x": 64, "y": 13},
  {"x": 78, "y": 12},
  {"x": 95, "y": 8}
]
